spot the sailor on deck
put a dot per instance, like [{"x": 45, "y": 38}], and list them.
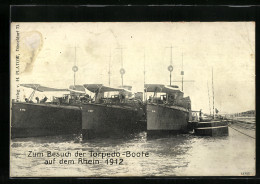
[
  {"x": 122, "y": 97},
  {"x": 200, "y": 114},
  {"x": 37, "y": 99},
  {"x": 44, "y": 100}
]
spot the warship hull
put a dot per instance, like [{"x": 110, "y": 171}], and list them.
[
  {"x": 166, "y": 120},
  {"x": 99, "y": 120},
  {"x": 31, "y": 120}
]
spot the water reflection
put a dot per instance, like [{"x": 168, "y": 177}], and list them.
[{"x": 178, "y": 155}]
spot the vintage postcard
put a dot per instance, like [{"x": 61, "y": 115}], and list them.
[{"x": 122, "y": 99}]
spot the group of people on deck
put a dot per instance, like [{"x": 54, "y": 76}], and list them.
[{"x": 37, "y": 99}]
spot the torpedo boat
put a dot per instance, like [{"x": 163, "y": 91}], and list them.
[
  {"x": 113, "y": 113},
  {"x": 35, "y": 117}
]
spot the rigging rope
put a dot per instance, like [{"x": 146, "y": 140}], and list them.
[
  {"x": 242, "y": 132},
  {"x": 246, "y": 127}
]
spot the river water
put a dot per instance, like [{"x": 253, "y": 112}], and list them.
[{"x": 178, "y": 155}]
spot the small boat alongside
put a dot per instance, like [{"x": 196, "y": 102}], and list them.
[
  {"x": 212, "y": 128},
  {"x": 213, "y": 125}
]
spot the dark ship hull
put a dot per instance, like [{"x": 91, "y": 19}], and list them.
[
  {"x": 30, "y": 119},
  {"x": 100, "y": 120},
  {"x": 165, "y": 120}
]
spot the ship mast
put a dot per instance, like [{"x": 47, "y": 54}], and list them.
[
  {"x": 213, "y": 95},
  {"x": 109, "y": 71},
  {"x": 75, "y": 68},
  {"x": 182, "y": 74},
  {"x": 122, "y": 70},
  {"x": 182, "y": 77},
  {"x": 170, "y": 67},
  {"x": 144, "y": 78},
  {"x": 209, "y": 98}
]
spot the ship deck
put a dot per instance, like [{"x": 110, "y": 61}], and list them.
[
  {"x": 50, "y": 105},
  {"x": 170, "y": 106},
  {"x": 119, "y": 106}
]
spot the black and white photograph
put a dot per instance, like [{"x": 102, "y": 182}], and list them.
[{"x": 132, "y": 99}]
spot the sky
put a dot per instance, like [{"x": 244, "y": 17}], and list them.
[{"x": 48, "y": 51}]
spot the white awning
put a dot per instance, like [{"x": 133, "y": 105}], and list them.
[
  {"x": 161, "y": 88},
  {"x": 41, "y": 88},
  {"x": 102, "y": 88}
]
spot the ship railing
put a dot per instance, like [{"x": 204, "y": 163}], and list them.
[
  {"x": 116, "y": 101},
  {"x": 167, "y": 103}
]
